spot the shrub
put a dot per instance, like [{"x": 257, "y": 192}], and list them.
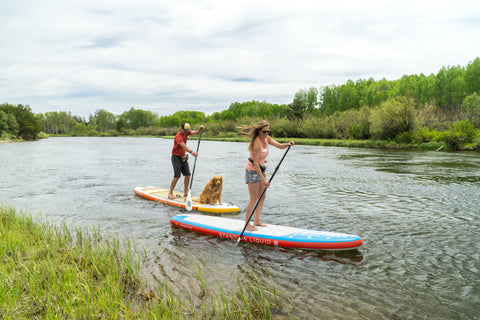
[
  {"x": 311, "y": 128},
  {"x": 354, "y": 131},
  {"x": 92, "y": 133},
  {"x": 283, "y": 128},
  {"x": 394, "y": 116},
  {"x": 404, "y": 137}
]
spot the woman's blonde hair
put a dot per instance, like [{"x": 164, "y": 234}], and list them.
[{"x": 253, "y": 131}]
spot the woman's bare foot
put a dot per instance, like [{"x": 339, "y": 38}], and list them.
[
  {"x": 259, "y": 224},
  {"x": 171, "y": 196},
  {"x": 251, "y": 228}
]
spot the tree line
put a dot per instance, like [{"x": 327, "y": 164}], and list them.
[
  {"x": 414, "y": 109},
  {"x": 19, "y": 121}
]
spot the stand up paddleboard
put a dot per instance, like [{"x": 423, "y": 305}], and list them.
[
  {"x": 270, "y": 235},
  {"x": 159, "y": 194}
]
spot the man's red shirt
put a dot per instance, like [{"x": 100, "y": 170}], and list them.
[{"x": 179, "y": 138}]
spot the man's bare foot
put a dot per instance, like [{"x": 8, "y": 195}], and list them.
[
  {"x": 259, "y": 224},
  {"x": 171, "y": 196},
  {"x": 251, "y": 228}
]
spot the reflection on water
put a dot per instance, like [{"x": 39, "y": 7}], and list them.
[{"x": 417, "y": 213}]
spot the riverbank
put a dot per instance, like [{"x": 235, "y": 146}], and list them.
[
  {"x": 8, "y": 140},
  {"x": 48, "y": 271},
  {"x": 376, "y": 144}
]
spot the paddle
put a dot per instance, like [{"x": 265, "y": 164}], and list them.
[
  {"x": 256, "y": 205},
  {"x": 188, "y": 203}
]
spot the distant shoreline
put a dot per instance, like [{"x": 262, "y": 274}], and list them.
[{"x": 370, "y": 144}]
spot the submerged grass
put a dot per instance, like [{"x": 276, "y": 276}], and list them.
[{"x": 50, "y": 272}]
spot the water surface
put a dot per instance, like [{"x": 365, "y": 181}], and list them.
[{"x": 417, "y": 212}]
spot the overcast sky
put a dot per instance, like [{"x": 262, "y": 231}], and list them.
[{"x": 170, "y": 55}]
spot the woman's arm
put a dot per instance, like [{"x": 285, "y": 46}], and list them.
[{"x": 279, "y": 145}]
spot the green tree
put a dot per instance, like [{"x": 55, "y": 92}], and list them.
[
  {"x": 329, "y": 100},
  {"x": 169, "y": 121},
  {"x": 297, "y": 108},
  {"x": 309, "y": 98},
  {"x": 121, "y": 125},
  {"x": 450, "y": 88},
  {"x": 105, "y": 120},
  {"x": 472, "y": 77},
  {"x": 192, "y": 117},
  {"x": 426, "y": 89},
  {"x": 136, "y": 118},
  {"x": 3, "y": 122},
  {"x": 67, "y": 122},
  {"x": 471, "y": 108},
  {"x": 57, "y": 122},
  {"x": 12, "y": 123},
  {"x": 51, "y": 122},
  {"x": 79, "y": 129},
  {"x": 28, "y": 126},
  {"x": 348, "y": 97}
]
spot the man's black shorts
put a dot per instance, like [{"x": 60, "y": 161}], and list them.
[{"x": 180, "y": 166}]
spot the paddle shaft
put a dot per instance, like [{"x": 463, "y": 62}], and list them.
[
  {"x": 195, "y": 162},
  {"x": 261, "y": 196}
]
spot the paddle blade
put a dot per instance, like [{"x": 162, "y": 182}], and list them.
[{"x": 188, "y": 203}]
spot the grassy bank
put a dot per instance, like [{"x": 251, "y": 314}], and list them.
[
  {"x": 379, "y": 144},
  {"x": 50, "y": 272}
]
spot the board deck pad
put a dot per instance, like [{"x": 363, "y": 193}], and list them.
[
  {"x": 283, "y": 236},
  {"x": 160, "y": 194}
]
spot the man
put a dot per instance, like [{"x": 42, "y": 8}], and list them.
[{"x": 179, "y": 159}]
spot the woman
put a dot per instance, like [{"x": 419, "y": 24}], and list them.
[{"x": 255, "y": 175}]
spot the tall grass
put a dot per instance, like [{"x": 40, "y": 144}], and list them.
[{"x": 50, "y": 272}]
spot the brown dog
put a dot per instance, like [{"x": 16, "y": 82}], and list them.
[{"x": 212, "y": 192}]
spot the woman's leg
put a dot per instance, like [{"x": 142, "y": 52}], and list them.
[
  {"x": 253, "y": 191},
  {"x": 256, "y": 219}
]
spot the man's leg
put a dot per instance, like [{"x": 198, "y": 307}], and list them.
[
  {"x": 186, "y": 182},
  {"x": 172, "y": 186},
  {"x": 176, "y": 175}
]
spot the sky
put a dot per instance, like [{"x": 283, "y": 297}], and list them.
[{"x": 170, "y": 55}]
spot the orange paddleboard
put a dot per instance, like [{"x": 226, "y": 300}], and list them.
[{"x": 159, "y": 194}]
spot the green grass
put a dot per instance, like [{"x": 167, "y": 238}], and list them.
[{"x": 50, "y": 272}]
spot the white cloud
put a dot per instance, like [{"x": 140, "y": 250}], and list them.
[{"x": 165, "y": 56}]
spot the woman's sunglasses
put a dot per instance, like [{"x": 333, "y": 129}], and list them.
[{"x": 266, "y": 131}]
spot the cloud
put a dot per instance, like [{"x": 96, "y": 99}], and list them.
[{"x": 166, "y": 56}]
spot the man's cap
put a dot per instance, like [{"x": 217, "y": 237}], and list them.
[{"x": 185, "y": 126}]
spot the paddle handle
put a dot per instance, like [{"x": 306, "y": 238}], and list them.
[
  {"x": 188, "y": 202},
  {"x": 261, "y": 196},
  {"x": 195, "y": 162}
]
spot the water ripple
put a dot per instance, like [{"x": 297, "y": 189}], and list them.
[{"x": 417, "y": 213}]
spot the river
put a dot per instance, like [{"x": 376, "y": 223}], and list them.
[{"x": 417, "y": 212}]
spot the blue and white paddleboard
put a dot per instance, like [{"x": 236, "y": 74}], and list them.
[{"x": 282, "y": 236}]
